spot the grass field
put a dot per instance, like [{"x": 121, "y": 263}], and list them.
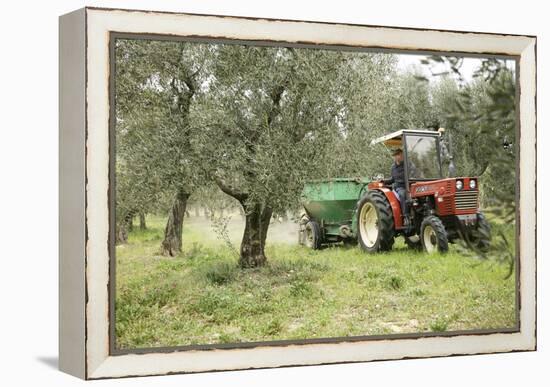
[{"x": 201, "y": 297}]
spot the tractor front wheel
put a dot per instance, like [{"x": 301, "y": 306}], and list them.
[
  {"x": 375, "y": 223},
  {"x": 433, "y": 235}
]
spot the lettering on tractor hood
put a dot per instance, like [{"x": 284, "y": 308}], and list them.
[{"x": 424, "y": 188}]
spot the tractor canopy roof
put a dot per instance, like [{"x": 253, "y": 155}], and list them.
[{"x": 395, "y": 139}]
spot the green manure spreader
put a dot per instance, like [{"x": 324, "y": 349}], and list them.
[{"x": 330, "y": 211}]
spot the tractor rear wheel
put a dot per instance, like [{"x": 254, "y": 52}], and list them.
[
  {"x": 433, "y": 235},
  {"x": 313, "y": 237},
  {"x": 375, "y": 223}
]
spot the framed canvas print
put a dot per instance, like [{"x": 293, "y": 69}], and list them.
[{"x": 244, "y": 193}]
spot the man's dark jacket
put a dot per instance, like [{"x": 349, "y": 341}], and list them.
[{"x": 397, "y": 176}]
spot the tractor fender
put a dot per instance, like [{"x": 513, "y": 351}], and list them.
[{"x": 395, "y": 206}]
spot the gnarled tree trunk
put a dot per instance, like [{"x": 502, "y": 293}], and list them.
[
  {"x": 257, "y": 219},
  {"x": 123, "y": 227},
  {"x": 171, "y": 245},
  {"x": 255, "y": 232},
  {"x": 121, "y": 236}
]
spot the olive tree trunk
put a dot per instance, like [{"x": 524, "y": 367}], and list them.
[
  {"x": 142, "y": 223},
  {"x": 123, "y": 227},
  {"x": 121, "y": 236},
  {"x": 252, "y": 252},
  {"x": 257, "y": 219},
  {"x": 171, "y": 245}
]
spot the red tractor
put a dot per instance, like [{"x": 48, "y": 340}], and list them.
[{"x": 440, "y": 210}]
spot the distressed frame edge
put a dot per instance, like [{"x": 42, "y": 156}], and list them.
[
  {"x": 114, "y": 35},
  {"x": 527, "y": 278},
  {"x": 72, "y": 203},
  {"x": 527, "y": 340}
]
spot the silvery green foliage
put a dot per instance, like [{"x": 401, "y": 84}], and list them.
[
  {"x": 481, "y": 117},
  {"x": 156, "y": 83},
  {"x": 273, "y": 118}
]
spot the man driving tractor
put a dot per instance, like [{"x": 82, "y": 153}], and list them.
[{"x": 397, "y": 181}]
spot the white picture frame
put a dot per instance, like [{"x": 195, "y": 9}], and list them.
[{"x": 85, "y": 36}]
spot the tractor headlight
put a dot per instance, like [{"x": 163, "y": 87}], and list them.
[
  {"x": 459, "y": 185},
  {"x": 473, "y": 184}
]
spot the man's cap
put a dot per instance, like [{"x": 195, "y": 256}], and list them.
[{"x": 396, "y": 151}]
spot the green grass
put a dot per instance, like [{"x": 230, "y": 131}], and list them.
[{"x": 201, "y": 297}]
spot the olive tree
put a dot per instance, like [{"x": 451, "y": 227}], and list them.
[
  {"x": 368, "y": 100},
  {"x": 269, "y": 121},
  {"x": 156, "y": 84},
  {"x": 413, "y": 106}
]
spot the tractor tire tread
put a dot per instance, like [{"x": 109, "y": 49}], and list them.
[
  {"x": 440, "y": 232},
  {"x": 317, "y": 238},
  {"x": 385, "y": 220}
]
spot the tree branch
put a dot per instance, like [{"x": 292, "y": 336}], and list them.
[
  {"x": 275, "y": 95},
  {"x": 231, "y": 191}
]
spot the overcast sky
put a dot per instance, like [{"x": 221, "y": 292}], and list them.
[{"x": 469, "y": 65}]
